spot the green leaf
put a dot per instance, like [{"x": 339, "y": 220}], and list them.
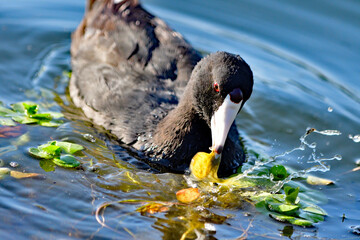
[
  {"x": 68, "y": 161},
  {"x": 47, "y": 165},
  {"x": 27, "y": 108},
  {"x": 301, "y": 222},
  {"x": 51, "y": 149},
  {"x": 261, "y": 205},
  {"x": 46, "y": 151},
  {"x": 51, "y": 143},
  {"x": 281, "y": 218},
  {"x": 5, "y": 111},
  {"x": 18, "y": 107},
  {"x": 24, "y": 119},
  {"x": 27, "y": 113},
  {"x": 39, "y": 154},
  {"x": 283, "y": 208},
  {"x": 69, "y": 147},
  {"x": 7, "y": 122},
  {"x": 292, "y": 220},
  {"x": 279, "y": 172},
  {"x": 41, "y": 116},
  {"x": 261, "y": 197},
  {"x": 30, "y": 108},
  {"x": 311, "y": 216},
  {"x": 291, "y": 194},
  {"x": 56, "y": 115},
  {"x": 315, "y": 209},
  {"x": 50, "y": 123}
]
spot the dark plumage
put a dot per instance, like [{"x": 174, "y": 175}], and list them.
[{"x": 144, "y": 83}]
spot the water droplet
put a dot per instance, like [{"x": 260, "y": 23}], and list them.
[
  {"x": 209, "y": 227},
  {"x": 330, "y": 109},
  {"x": 14, "y": 164},
  {"x": 329, "y": 132},
  {"x": 355, "y": 138},
  {"x": 200, "y": 208},
  {"x": 312, "y": 145},
  {"x": 89, "y": 137},
  {"x": 357, "y": 161}
]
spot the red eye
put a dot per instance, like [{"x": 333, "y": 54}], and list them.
[{"x": 216, "y": 87}]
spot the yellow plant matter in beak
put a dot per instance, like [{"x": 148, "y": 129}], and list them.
[{"x": 205, "y": 166}]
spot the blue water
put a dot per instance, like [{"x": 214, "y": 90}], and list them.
[{"x": 305, "y": 58}]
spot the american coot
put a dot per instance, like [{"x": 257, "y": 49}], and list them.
[{"x": 145, "y": 84}]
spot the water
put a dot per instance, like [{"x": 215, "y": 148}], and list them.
[{"x": 304, "y": 55}]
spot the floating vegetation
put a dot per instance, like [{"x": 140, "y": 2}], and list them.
[
  {"x": 58, "y": 153},
  {"x": 318, "y": 181},
  {"x": 28, "y": 113},
  {"x": 16, "y": 174},
  {"x": 187, "y": 195},
  {"x": 283, "y": 207},
  {"x": 261, "y": 183}
]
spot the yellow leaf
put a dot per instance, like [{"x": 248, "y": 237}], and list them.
[
  {"x": 152, "y": 208},
  {"x": 355, "y": 169},
  {"x": 205, "y": 165},
  {"x": 187, "y": 195},
  {"x": 318, "y": 181},
  {"x": 18, "y": 175}
]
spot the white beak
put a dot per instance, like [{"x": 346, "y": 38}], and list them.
[{"x": 221, "y": 122}]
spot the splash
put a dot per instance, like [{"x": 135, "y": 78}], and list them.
[{"x": 319, "y": 162}]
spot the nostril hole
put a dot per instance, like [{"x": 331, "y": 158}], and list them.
[{"x": 236, "y": 95}]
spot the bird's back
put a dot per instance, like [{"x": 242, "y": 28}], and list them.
[{"x": 129, "y": 68}]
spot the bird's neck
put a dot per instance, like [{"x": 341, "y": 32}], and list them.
[{"x": 181, "y": 134}]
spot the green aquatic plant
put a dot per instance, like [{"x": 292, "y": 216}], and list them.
[
  {"x": 289, "y": 207},
  {"x": 196, "y": 204},
  {"x": 28, "y": 113},
  {"x": 284, "y": 205},
  {"x": 58, "y": 153},
  {"x": 278, "y": 172}
]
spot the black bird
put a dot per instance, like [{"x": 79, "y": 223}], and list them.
[{"x": 145, "y": 84}]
